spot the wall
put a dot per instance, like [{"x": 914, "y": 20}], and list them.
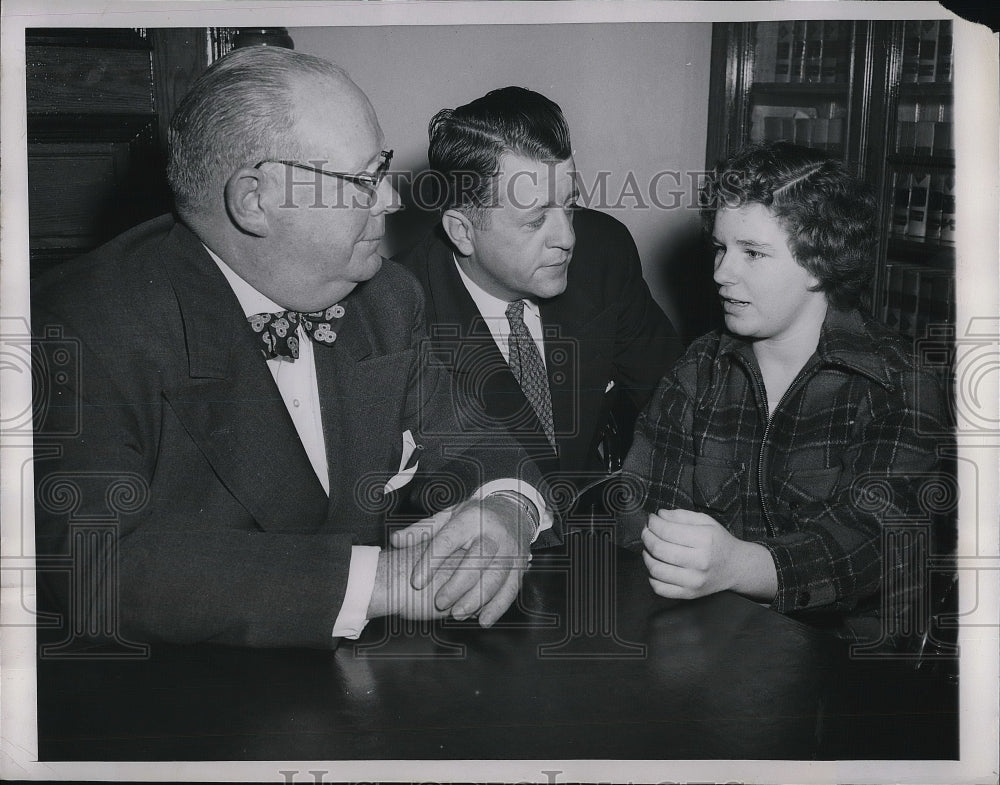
[{"x": 635, "y": 96}]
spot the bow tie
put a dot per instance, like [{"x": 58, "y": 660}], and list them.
[{"x": 277, "y": 331}]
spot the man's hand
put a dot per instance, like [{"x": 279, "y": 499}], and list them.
[
  {"x": 690, "y": 554},
  {"x": 477, "y": 553},
  {"x": 394, "y": 593}
]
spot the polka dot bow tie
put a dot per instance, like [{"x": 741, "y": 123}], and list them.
[{"x": 279, "y": 335}]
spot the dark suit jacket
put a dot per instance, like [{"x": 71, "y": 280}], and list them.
[
  {"x": 181, "y": 440},
  {"x": 604, "y": 327}
]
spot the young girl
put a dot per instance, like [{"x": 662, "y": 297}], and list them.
[{"x": 779, "y": 453}]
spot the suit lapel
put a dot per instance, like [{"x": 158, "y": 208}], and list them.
[
  {"x": 345, "y": 384},
  {"x": 573, "y": 325},
  {"x": 478, "y": 362},
  {"x": 230, "y": 405}
]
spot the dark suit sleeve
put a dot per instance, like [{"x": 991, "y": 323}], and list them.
[
  {"x": 462, "y": 448},
  {"x": 141, "y": 546},
  {"x": 646, "y": 343}
]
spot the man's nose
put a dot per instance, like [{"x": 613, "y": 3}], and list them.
[
  {"x": 563, "y": 235},
  {"x": 386, "y": 198}
]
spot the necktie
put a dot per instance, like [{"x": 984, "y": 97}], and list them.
[
  {"x": 277, "y": 331},
  {"x": 526, "y": 365}
]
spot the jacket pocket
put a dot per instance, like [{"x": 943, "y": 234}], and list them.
[
  {"x": 797, "y": 489},
  {"x": 717, "y": 484}
]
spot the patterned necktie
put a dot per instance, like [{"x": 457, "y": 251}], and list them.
[
  {"x": 277, "y": 331},
  {"x": 526, "y": 365}
]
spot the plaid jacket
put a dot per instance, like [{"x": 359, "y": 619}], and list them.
[{"x": 850, "y": 450}]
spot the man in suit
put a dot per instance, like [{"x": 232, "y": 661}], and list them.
[
  {"x": 539, "y": 305},
  {"x": 252, "y": 400}
]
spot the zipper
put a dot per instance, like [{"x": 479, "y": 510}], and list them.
[{"x": 762, "y": 394}]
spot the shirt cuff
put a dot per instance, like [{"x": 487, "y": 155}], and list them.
[
  {"x": 528, "y": 491},
  {"x": 353, "y": 614}
]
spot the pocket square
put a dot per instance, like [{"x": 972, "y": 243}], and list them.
[
  {"x": 408, "y": 464},
  {"x": 610, "y": 387}
]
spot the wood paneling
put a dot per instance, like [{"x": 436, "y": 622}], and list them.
[
  {"x": 98, "y": 102},
  {"x": 88, "y": 80},
  {"x": 78, "y": 194}
]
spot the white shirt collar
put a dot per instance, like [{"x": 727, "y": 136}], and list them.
[
  {"x": 489, "y": 306},
  {"x": 251, "y": 301}
]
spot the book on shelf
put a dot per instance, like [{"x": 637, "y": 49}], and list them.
[
  {"x": 821, "y": 133},
  {"x": 836, "y": 135},
  {"x": 948, "y": 210},
  {"x": 935, "y": 301},
  {"x": 944, "y": 140},
  {"x": 783, "y": 52},
  {"x": 906, "y": 127},
  {"x": 909, "y": 299},
  {"x": 945, "y": 53},
  {"x": 765, "y": 52},
  {"x": 924, "y": 128},
  {"x": 832, "y": 44},
  {"x": 774, "y": 122},
  {"x": 917, "y": 297},
  {"x": 923, "y": 137},
  {"x": 916, "y": 227},
  {"x": 892, "y": 314},
  {"x": 944, "y": 136},
  {"x": 797, "y": 72},
  {"x": 911, "y": 51},
  {"x": 901, "y": 203},
  {"x": 935, "y": 208},
  {"x": 798, "y": 125},
  {"x": 804, "y": 131},
  {"x": 927, "y": 53},
  {"x": 812, "y": 58}
]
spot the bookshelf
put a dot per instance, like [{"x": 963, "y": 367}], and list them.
[{"x": 878, "y": 95}]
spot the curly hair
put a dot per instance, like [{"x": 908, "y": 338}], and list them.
[
  {"x": 467, "y": 143},
  {"x": 829, "y": 214}
]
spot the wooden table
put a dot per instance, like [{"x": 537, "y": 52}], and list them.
[{"x": 589, "y": 665}]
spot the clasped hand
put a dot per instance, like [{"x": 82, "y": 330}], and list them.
[
  {"x": 690, "y": 554},
  {"x": 467, "y": 560}
]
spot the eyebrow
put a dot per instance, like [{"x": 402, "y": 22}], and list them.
[{"x": 744, "y": 243}]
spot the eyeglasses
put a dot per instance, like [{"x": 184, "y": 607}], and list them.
[{"x": 367, "y": 181}]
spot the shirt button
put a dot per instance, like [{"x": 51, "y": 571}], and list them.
[{"x": 296, "y": 403}]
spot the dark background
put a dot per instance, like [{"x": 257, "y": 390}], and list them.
[{"x": 985, "y": 12}]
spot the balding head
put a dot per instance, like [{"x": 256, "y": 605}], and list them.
[{"x": 240, "y": 111}]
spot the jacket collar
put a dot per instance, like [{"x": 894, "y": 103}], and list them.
[
  {"x": 210, "y": 311},
  {"x": 215, "y": 329},
  {"x": 846, "y": 340}
]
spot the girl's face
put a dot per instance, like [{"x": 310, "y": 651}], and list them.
[{"x": 766, "y": 294}]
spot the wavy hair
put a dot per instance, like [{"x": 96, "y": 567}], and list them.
[
  {"x": 467, "y": 143},
  {"x": 829, "y": 214}
]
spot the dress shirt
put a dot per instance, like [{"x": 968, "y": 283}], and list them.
[
  {"x": 296, "y": 381},
  {"x": 494, "y": 313},
  {"x": 299, "y": 389}
]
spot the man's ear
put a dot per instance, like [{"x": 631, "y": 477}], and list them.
[
  {"x": 246, "y": 203},
  {"x": 460, "y": 231}
]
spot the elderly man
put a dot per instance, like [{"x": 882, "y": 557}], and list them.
[
  {"x": 543, "y": 302},
  {"x": 252, "y": 373}
]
